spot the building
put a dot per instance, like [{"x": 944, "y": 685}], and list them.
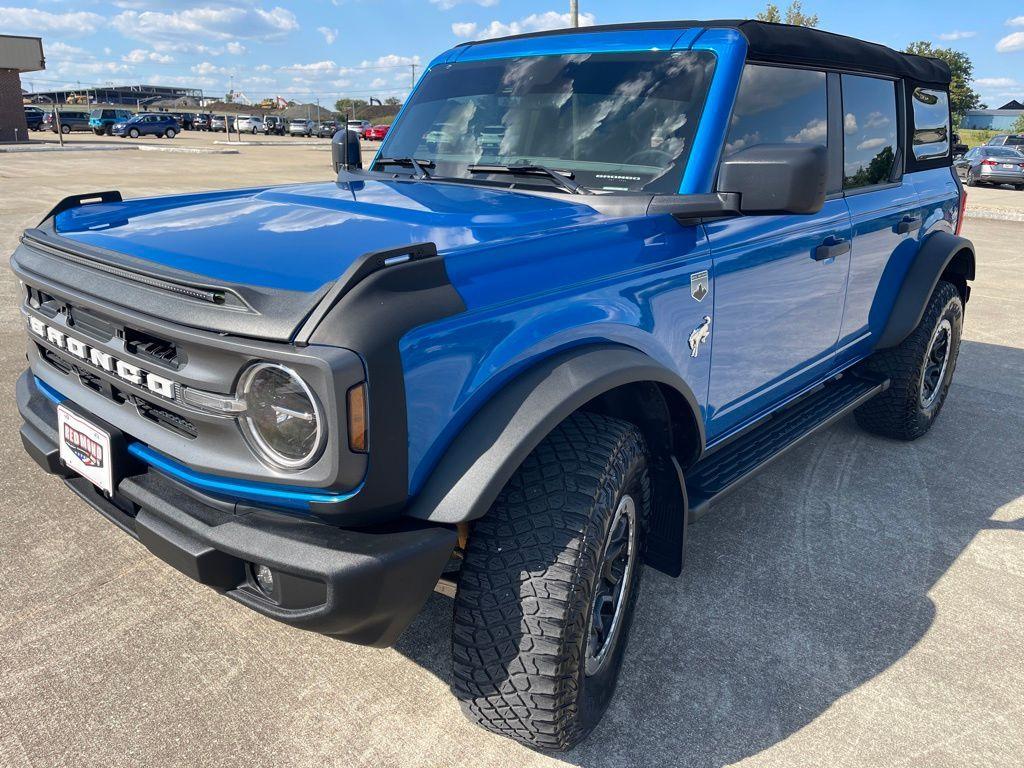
[
  {"x": 1001, "y": 119},
  {"x": 128, "y": 95},
  {"x": 17, "y": 55}
]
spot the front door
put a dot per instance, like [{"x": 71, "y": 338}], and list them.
[{"x": 780, "y": 281}]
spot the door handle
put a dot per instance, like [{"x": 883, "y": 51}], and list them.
[
  {"x": 908, "y": 224},
  {"x": 831, "y": 248}
]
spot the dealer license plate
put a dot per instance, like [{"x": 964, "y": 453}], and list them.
[{"x": 85, "y": 448}]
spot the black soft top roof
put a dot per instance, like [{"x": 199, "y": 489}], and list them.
[{"x": 788, "y": 44}]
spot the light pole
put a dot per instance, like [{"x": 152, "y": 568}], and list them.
[{"x": 574, "y": 12}]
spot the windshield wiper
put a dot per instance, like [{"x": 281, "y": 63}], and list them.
[
  {"x": 563, "y": 179},
  {"x": 419, "y": 166}
]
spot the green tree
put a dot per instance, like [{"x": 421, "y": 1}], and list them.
[
  {"x": 961, "y": 96},
  {"x": 1018, "y": 127},
  {"x": 392, "y": 101},
  {"x": 794, "y": 15},
  {"x": 350, "y": 106}
]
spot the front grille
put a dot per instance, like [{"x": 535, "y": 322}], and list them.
[
  {"x": 160, "y": 350},
  {"x": 164, "y": 418}
]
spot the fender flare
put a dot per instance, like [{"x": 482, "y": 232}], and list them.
[
  {"x": 490, "y": 448},
  {"x": 936, "y": 254}
]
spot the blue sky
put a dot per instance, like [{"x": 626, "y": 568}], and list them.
[{"x": 328, "y": 48}]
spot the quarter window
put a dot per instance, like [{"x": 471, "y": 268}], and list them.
[
  {"x": 776, "y": 105},
  {"x": 869, "y": 131},
  {"x": 931, "y": 124}
]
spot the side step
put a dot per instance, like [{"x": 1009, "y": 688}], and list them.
[{"x": 725, "y": 468}]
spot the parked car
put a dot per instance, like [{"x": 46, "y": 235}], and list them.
[
  {"x": 327, "y": 129},
  {"x": 300, "y": 127},
  {"x": 992, "y": 165},
  {"x": 378, "y": 132},
  {"x": 222, "y": 123},
  {"x": 360, "y": 127},
  {"x": 70, "y": 120},
  {"x": 275, "y": 124},
  {"x": 516, "y": 382},
  {"x": 1006, "y": 140},
  {"x": 250, "y": 124},
  {"x": 186, "y": 120},
  {"x": 102, "y": 121},
  {"x": 159, "y": 124},
  {"x": 34, "y": 118}
]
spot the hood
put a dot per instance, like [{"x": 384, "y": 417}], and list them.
[
  {"x": 258, "y": 262},
  {"x": 298, "y": 238}
]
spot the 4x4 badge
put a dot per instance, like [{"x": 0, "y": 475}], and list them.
[{"x": 699, "y": 285}]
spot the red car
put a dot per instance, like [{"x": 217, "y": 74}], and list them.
[{"x": 377, "y": 132}]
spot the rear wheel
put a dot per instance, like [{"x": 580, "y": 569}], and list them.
[
  {"x": 65, "y": 129},
  {"x": 548, "y": 585},
  {"x": 970, "y": 181},
  {"x": 170, "y": 133},
  {"x": 920, "y": 370}
]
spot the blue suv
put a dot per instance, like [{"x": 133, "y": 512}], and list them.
[
  {"x": 592, "y": 281},
  {"x": 148, "y": 124}
]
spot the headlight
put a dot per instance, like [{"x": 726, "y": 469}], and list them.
[{"x": 282, "y": 420}]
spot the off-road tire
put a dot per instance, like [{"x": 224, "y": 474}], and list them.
[
  {"x": 898, "y": 412},
  {"x": 522, "y": 612}
]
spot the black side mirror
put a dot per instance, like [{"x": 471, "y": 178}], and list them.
[
  {"x": 345, "y": 152},
  {"x": 777, "y": 178}
]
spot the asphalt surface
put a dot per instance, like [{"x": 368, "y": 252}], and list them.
[{"x": 861, "y": 603}]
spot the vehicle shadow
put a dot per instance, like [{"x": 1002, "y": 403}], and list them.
[{"x": 805, "y": 584}]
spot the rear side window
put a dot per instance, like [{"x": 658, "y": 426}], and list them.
[
  {"x": 931, "y": 124},
  {"x": 776, "y": 105},
  {"x": 869, "y": 131}
]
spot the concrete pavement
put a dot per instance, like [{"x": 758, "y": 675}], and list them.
[{"x": 859, "y": 604}]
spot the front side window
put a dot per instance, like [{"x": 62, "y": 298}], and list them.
[
  {"x": 931, "y": 124},
  {"x": 870, "y": 130},
  {"x": 776, "y": 105},
  {"x": 615, "y": 122}
]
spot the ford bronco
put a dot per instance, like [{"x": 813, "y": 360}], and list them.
[{"x": 592, "y": 281}]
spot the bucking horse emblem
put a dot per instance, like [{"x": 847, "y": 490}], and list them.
[{"x": 699, "y": 335}]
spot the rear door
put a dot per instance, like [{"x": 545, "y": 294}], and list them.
[
  {"x": 884, "y": 210},
  {"x": 778, "y": 302}
]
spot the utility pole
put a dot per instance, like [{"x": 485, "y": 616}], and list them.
[
  {"x": 413, "y": 83},
  {"x": 574, "y": 13}
]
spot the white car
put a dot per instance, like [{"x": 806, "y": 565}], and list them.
[
  {"x": 301, "y": 127},
  {"x": 360, "y": 127},
  {"x": 251, "y": 124}
]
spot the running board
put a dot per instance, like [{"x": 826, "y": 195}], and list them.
[{"x": 726, "y": 468}]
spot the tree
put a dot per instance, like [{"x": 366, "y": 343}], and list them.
[
  {"x": 961, "y": 96},
  {"x": 794, "y": 15},
  {"x": 392, "y": 101},
  {"x": 1018, "y": 127},
  {"x": 349, "y": 106}
]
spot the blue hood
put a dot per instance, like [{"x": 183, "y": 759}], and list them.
[{"x": 300, "y": 237}]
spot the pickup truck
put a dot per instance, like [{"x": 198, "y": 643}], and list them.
[{"x": 509, "y": 365}]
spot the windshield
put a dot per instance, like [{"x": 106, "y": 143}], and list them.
[
  {"x": 1003, "y": 152},
  {"x": 614, "y": 122}
]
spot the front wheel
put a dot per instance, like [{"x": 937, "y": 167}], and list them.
[
  {"x": 548, "y": 585},
  {"x": 65, "y": 129},
  {"x": 134, "y": 133},
  {"x": 919, "y": 369}
]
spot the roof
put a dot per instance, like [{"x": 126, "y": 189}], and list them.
[
  {"x": 22, "y": 54},
  {"x": 788, "y": 44},
  {"x": 1014, "y": 105}
]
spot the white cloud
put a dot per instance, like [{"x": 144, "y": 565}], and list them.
[
  {"x": 1016, "y": 21},
  {"x": 330, "y": 35},
  {"x": 235, "y": 48},
  {"x": 850, "y": 124},
  {"x": 36, "y": 22},
  {"x": 59, "y": 50},
  {"x": 216, "y": 23},
  {"x": 996, "y": 82},
  {"x": 321, "y": 67},
  {"x": 957, "y": 35},
  {"x": 208, "y": 68},
  {"x": 535, "y": 22},
  {"x": 447, "y": 5},
  {"x": 1012, "y": 42},
  {"x": 140, "y": 55},
  {"x": 464, "y": 28},
  {"x": 380, "y": 82},
  {"x": 872, "y": 144},
  {"x": 392, "y": 60},
  {"x": 815, "y": 131}
]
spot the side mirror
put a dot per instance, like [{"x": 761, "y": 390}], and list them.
[
  {"x": 345, "y": 152},
  {"x": 777, "y": 178}
]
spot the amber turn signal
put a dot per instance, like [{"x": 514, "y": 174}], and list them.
[{"x": 357, "y": 418}]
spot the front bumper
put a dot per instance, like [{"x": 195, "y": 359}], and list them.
[{"x": 363, "y": 586}]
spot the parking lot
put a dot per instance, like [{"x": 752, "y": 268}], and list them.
[{"x": 861, "y": 603}]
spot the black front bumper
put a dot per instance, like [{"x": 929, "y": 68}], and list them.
[{"x": 363, "y": 586}]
